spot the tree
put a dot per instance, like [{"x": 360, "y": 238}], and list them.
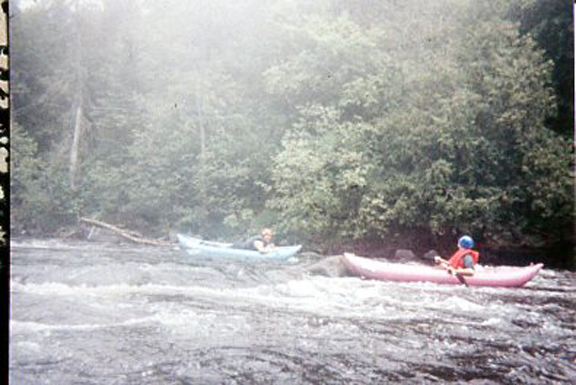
[
  {"x": 451, "y": 145},
  {"x": 550, "y": 23},
  {"x": 327, "y": 119}
]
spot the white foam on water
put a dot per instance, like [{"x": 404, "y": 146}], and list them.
[{"x": 17, "y": 327}]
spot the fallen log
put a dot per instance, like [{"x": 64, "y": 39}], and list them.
[{"x": 130, "y": 235}]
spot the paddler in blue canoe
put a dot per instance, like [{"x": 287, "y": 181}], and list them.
[
  {"x": 463, "y": 261},
  {"x": 262, "y": 243}
]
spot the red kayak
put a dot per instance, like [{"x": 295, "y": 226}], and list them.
[{"x": 502, "y": 276}]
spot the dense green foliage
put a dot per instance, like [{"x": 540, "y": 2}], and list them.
[{"x": 327, "y": 120}]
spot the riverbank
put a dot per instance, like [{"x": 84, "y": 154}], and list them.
[{"x": 561, "y": 256}]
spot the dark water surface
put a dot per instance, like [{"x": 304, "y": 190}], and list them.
[{"x": 85, "y": 313}]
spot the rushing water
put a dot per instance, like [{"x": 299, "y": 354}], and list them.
[{"x": 85, "y": 313}]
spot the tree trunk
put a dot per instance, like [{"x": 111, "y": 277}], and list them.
[
  {"x": 202, "y": 139},
  {"x": 77, "y": 133},
  {"x": 130, "y": 235}
]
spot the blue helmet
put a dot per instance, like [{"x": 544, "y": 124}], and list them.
[{"x": 466, "y": 242}]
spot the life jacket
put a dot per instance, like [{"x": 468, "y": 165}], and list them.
[{"x": 456, "y": 260}]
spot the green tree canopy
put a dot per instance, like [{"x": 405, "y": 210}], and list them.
[{"x": 330, "y": 120}]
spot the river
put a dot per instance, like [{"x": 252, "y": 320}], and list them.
[{"x": 88, "y": 313}]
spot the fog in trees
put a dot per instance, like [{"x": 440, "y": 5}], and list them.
[{"x": 331, "y": 121}]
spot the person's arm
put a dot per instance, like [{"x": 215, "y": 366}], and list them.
[
  {"x": 263, "y": 248},
  {"x": 441, "y": 261}
]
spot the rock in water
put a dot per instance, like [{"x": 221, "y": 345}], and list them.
[
  {"x": 329, "y": 267},
  {"x": 429, "y": 256},
  {"x": 404, "y": 255}
]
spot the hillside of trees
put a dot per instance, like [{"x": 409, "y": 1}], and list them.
[{"x": 332, "y": 121}]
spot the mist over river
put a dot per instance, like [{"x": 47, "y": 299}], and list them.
[{"x": 88, "y": 313}]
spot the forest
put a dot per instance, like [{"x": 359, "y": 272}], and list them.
[{"x": 334, "y": 122}]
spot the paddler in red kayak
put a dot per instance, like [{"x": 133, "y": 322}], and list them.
[{"x": 463, "y": 261}]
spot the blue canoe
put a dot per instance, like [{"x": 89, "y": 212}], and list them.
[{"x": 201, "y": 248}]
